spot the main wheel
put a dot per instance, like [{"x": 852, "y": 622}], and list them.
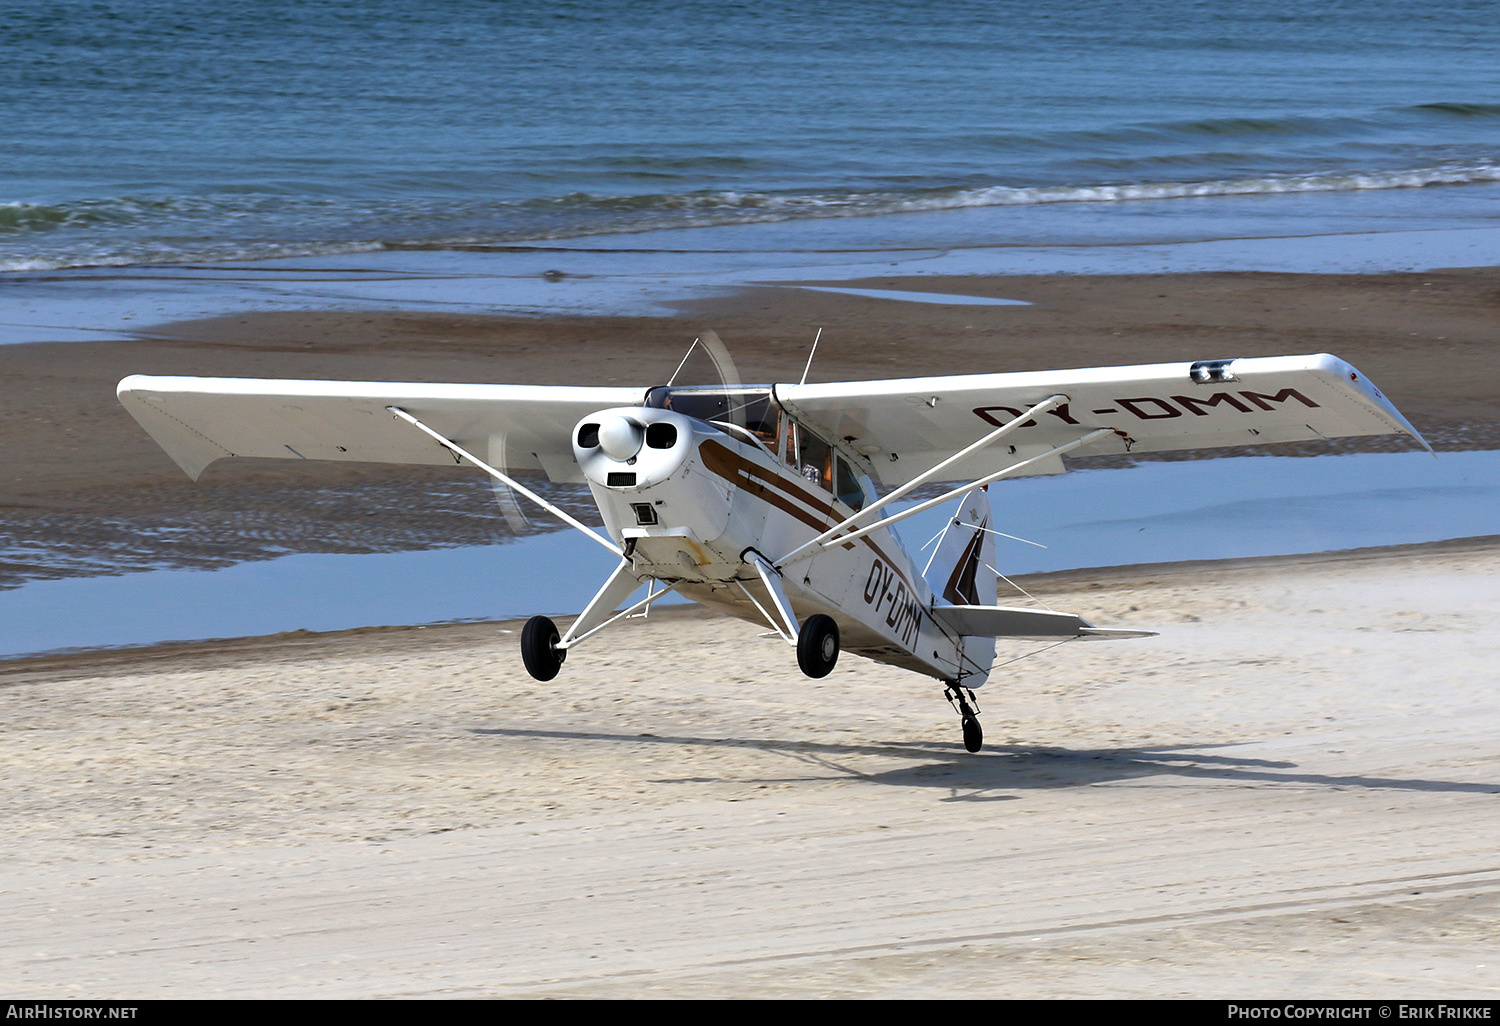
[
  {"x": 539, "y": 649},
  {"x": 818, "y": 645},
  {"x": 973, "y": 734}
]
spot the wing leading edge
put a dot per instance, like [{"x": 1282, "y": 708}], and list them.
[
  {"x": 906, "y": 426},
  {"x": 199, "y": 421}
]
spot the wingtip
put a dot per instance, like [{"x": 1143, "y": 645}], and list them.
[
  {"x": 1344, "y": 369},
  {"x": 1414, "y": 433}
]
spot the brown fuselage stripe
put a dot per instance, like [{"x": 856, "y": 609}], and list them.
[{"x": 729, "y": 465}]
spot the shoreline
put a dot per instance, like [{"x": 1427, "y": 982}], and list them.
[{"x": 70, "y": 663}]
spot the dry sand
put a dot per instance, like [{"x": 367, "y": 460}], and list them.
[{"x": 1291, "y": 792}]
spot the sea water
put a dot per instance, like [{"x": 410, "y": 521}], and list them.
[
  {"x": 1153, "y": 513},
  {"x": 152, "y": 132}
]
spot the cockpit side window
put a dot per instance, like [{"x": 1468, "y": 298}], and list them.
[
  {"x": 849, "y": 491},
  {"x": 820, "y": 464},
  {"x": 814, "y": 459}
]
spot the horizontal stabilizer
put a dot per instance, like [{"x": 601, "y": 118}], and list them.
[
  {"x": 1037, "y": 624},
  {"x": 1112, "y": 634},
  {"x": 1007, "y": 622}
]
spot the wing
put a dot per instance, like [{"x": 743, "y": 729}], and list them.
[
  {"x": 906, "y": 426},
  {"x": 201, "y": 420}
]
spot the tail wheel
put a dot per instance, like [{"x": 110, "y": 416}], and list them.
[
  {"x": 818, "y": 645},
  {"x": 973, "y": 735},
  {"x": 539, "y": 649},
  {"x": 962, "y": 699}
]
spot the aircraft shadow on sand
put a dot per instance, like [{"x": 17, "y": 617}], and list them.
[{"x": 1015, "y": 767}]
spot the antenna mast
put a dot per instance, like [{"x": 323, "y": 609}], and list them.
[
  {"x": 810, "y": 357},
  {"x": 684, "y": 362}
]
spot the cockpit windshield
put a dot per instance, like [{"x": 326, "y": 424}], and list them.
[
  {"x": 750, "y": 408},
  {"x": 758, "y": 413}
]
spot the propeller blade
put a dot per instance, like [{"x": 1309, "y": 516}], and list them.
[
  {"x": 505, "y": 497},
  {"x": 720, "y": 389},
  {"x": 727, "y": 373}
]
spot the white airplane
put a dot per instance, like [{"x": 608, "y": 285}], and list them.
[{"x": 761, "y": 501}]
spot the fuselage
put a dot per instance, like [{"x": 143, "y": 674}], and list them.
[{"x": 689, "y": 496}]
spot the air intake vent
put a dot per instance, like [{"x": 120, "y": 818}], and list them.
[
  {"x": 661, "y": 435},
  {"x": 621, "y": 479},
  {"x": 645, "y": 513}
]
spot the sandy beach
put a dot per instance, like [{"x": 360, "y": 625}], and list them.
[{"x": 1288, "y": 793}]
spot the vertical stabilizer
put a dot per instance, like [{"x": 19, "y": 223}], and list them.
[{"x": 960, "y": 574}]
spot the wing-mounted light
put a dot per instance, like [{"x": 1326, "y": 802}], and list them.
[{"x": 1211, "y": 372}]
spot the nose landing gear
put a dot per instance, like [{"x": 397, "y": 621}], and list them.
[{"x": 963, "y": 700}]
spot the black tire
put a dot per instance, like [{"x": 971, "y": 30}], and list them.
[
  {"x": 973, "y": 735},
  {"x": 818, "y": 645},
  {"x": 539, "y": 639}
]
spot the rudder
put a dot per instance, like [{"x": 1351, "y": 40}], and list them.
[{"x": 960, "y": 571}]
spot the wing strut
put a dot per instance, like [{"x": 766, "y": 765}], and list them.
[
  {"x": 821, "y": 541},
  {"x": 458, "y": 450},
  {"x": 787, "y": 625},
  {"x": 827, "y": 539}
]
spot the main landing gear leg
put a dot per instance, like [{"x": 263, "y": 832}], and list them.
[{"x": 962, "y": 699}]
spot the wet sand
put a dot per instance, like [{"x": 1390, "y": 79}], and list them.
[
  {"x": 1290, "y": 793},
  {"x": 81, "y": 484}
]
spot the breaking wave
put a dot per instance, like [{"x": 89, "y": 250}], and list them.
[{"x": 245, "y": 227}]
